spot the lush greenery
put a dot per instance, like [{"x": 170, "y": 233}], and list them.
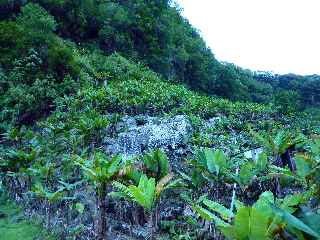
[
  {"x": 292, "y": 91},
  {"x": 151, "y": 32},
  {"x": 14, "y": 226},
  {"x": 69, "y": 72}
]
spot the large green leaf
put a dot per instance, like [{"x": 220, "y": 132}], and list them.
[
  {"x": 311, "y": 218},
  {"x": 262, "y": 161},
  {"x": 282, "y": 142},
  {"x": 294, "y": 222},
  {"x": 144, "y": 194},
  {"x": 290, "y": 202},
  {"x": 215, "y": 160},
  {"x": 209, "y": 216},
  {"x": 250, "y": 223},
  {"x": 283, "y": 172},
  {"x": 304, "y": 167},
  {"x": 259, "y": 222},
  {"x": 247, "y": 172},
  {"x": 150, "y": 192},
  {"x": 157, "y": 162},
  {"x": 263, "y": 203},
  {"x": 242, "y": 223},
  {"x": 225, "y": 213},
  {"x": 137, "y": 195},
  {"x": 163, "y": 162},
  {"x": 115, "y": 166}
]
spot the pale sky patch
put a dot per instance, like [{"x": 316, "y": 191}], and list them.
[{"x": 273, "y": 35}]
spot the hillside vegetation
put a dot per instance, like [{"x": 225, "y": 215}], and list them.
[{"x": 233, "y": 147}]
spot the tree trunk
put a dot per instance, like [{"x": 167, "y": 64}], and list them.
[
  {"x": 278, "y": 191},
  {"x": 48, "y": 210},
  {"x": 151, "y": 226},
  {"x": 103, "y": 215}
]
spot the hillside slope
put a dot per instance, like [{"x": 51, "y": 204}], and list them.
[
  {"x": 102, "y": 146},
  {"x": 151, "y": 32}
]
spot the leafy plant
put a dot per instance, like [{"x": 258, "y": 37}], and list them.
[
  {"x": 252, "y": 169},
  {"x": 209, "y": 165},
  {"x": 147, "y": 194},
  {"x": 157, "y": 163},
  {"x": 17, "y": 159},
  {"x": 49, "y": 198},
  {"x": 101, "y": 171},
  {"x": 265, "y": 219}
]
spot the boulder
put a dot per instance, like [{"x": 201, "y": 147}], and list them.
[
  {"x": 149, "y": 133},
  {"x": 253, "y": 154}
]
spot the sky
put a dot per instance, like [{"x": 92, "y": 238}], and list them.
[{"x": 282, "y": 36}]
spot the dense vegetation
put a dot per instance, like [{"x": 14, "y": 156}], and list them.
[
  {"x": 151, "y": 32},
  {"x": 294, "y": 91},
  {"x": 71, "y": 70},
  {"x": 13, "y": 225}
]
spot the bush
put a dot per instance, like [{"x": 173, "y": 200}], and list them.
[
  {"x": 13, "y": 43},
  {"x": 37, "y": 22},
  {"x": 28, "y": 93},
  {"x": 288, "y": 101},
  {"x": 61, "y": 60}
]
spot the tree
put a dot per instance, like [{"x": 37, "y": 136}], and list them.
[
  {"x": 37, "y": 21},
  {"x": 288, "y": 101}
]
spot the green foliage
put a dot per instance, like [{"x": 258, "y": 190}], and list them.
[
  {"x": 157, "y": 162},
  {"x": 45, "y": 194},
  {"x": 216, "y": 160},
  {"x": 61, "y": 60},
  {"x": 27, "y": 229},
  {"x": 209, "y": 164},
  {"x": 36, "y": 21},
  {"x": 277, "y": 144},
  {"x": 154, "y": 33},
  {"x": 146, "y": 194},
  {"x": 288, "y": 101},
  {"x": 291, "y": 92},
  {"x": 102, "y": 169},
  {"x": 72, "y": 96},
  {"x": 263, "y": 220},
  {"x": 13, "y": 42},
  {"x": 14, "y": 159},
  {"x": 252, "y": 170}
]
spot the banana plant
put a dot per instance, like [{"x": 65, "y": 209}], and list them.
[
  {"x": 208, "y": 165},
  {"x": 267, "y": 218},
  {"x": 49, "y": 198},
  {"x": 307, "y": 167},
  {"x": 146, "y": 194},
  {"x": 14, "y": 164},
  {"x": 154, "y": 164},
  {"x": 252, "y": 169},
  {"x": 42, "y": 170},
  {"x": 100, "y": 172},
  {"x": 16, "y": 159},
  {"x": 277, "y": 146},
  {"x": 157, "y": 163}
]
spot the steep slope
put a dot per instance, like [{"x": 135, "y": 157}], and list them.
[{"x": 67, "y": 109}]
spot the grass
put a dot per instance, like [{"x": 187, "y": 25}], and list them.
[{"x": 14, "y": 226}]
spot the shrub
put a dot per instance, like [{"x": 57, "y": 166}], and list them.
[
  {"x": 37, "y": 22},
  {"x": 13, "y": 43},
  {"x": 61, "y": 60}
]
